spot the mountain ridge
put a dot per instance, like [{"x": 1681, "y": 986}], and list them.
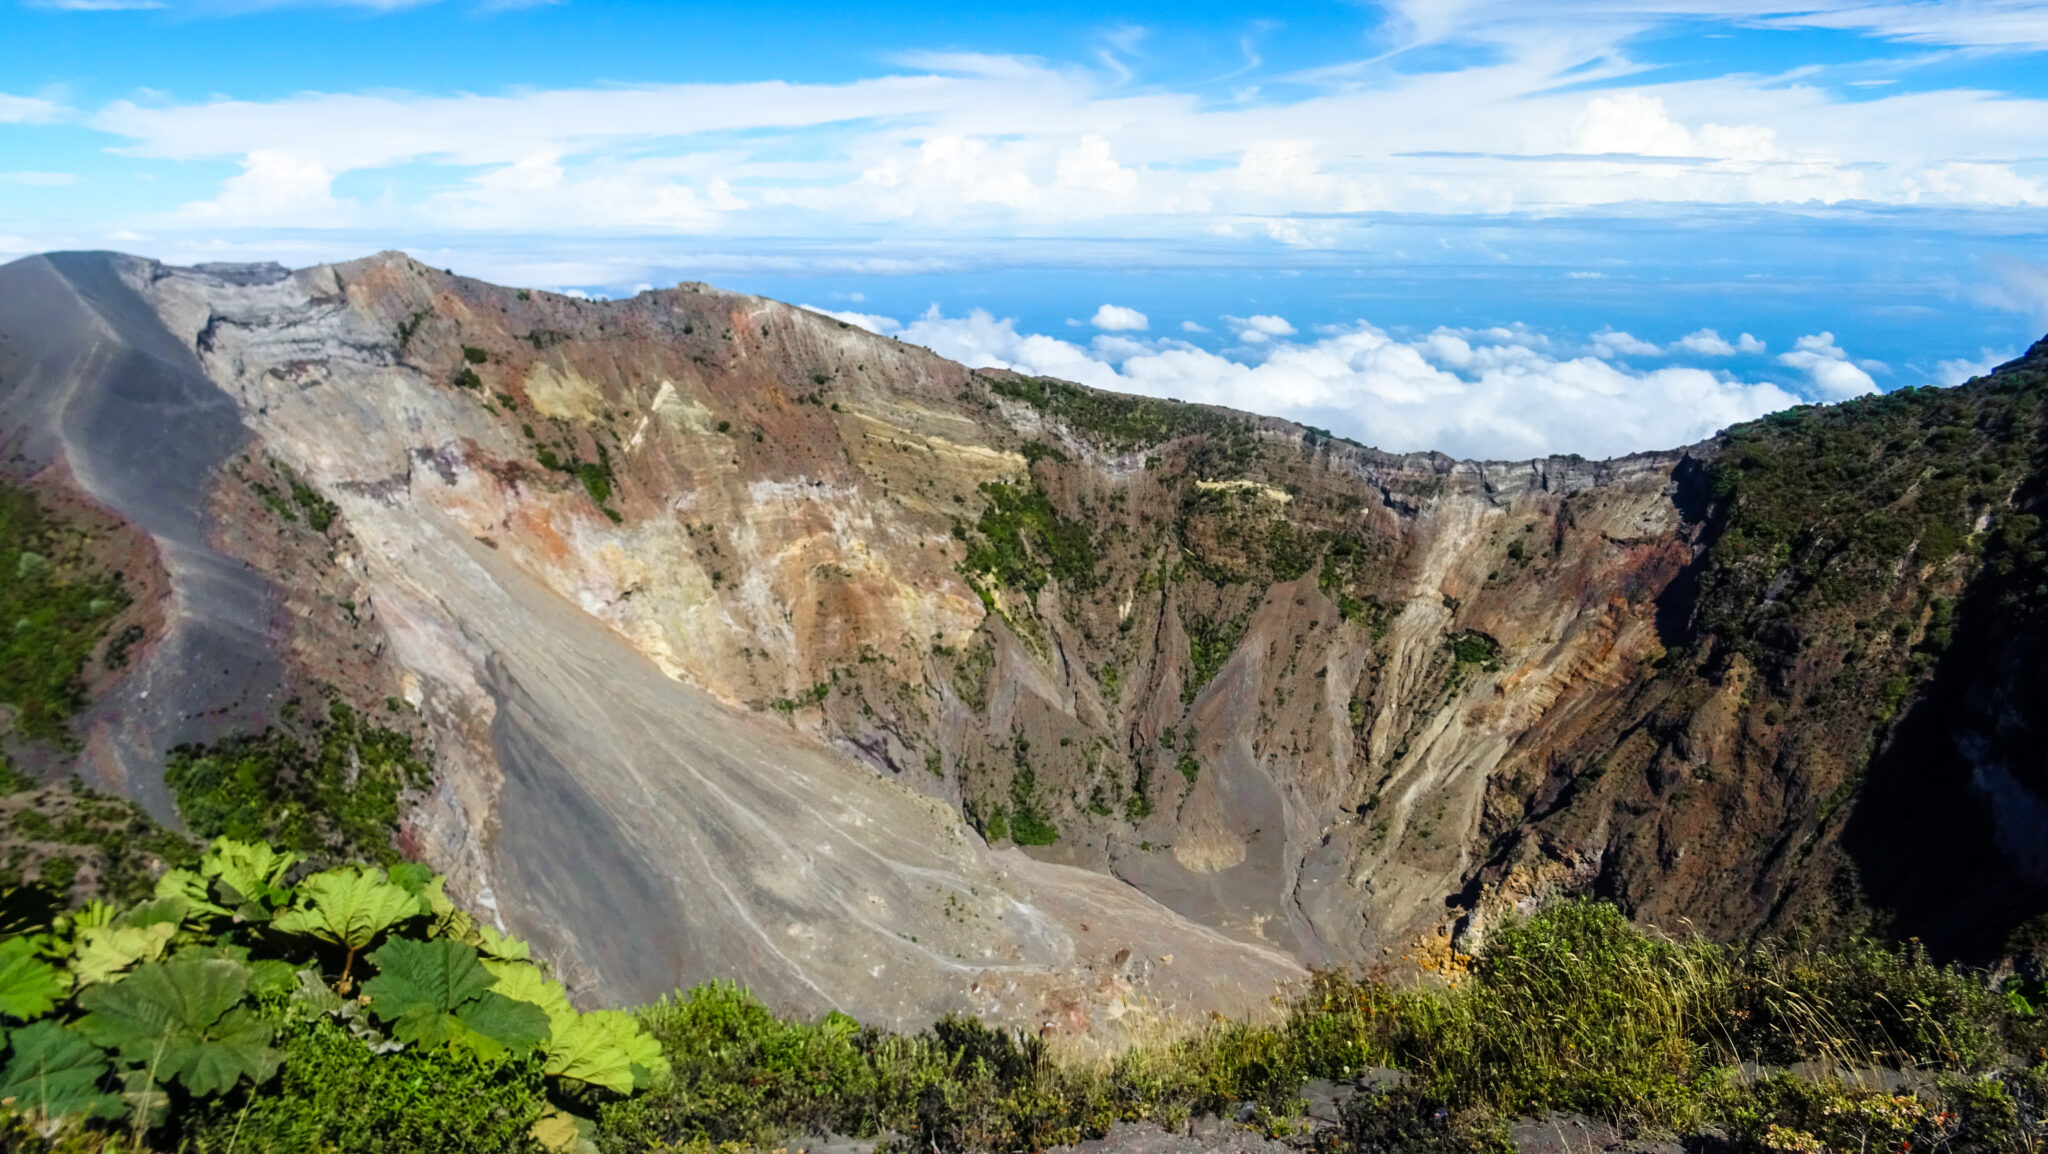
[{"x": 1313, "y": 698}]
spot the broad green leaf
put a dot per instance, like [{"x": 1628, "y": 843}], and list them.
[
  {"x": 271, "y": 976},
  {"x": 424, "y": 977},
  {"x": 523, "y": 982},
  {"x": 190, "y": 888},
  {"x": 252, "y": 870},
  {"x": 235, "y": 1047},
  {"x": 607, "y": 1048},
  {"x": 504, "y": 947},
  {"x": 438, "y": 993},
  {"x": 489, "y": 1027},
  {"x": 313, "y": 996},
  {"x": 92, "y": 915},
  {"x": 348, "y": 907},
  {"x": 29, "y": 986},
  {"x": 208, "y": 951},
  {"x": 412, "y": 876},
  {"x": 54, "y": 1072},
  {"x": 495, "y": 1024},
  {"x": 557, "y": 1131},
  {"x": 181, "y": 1019},
  {"x": 449, "y": 919},
  {"x": 156, "y": 911},
  {"x": 105, "y": 951},
  {"x": 428, "y": 1029}
]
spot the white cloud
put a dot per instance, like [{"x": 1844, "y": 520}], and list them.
[
  {"x": 1980, "y": 183},
  {"x": 1828, "y": 365},
  {"x": 28, "y": 110},
  {"x": 1949, "y": 373},
  {"x": 275, "y": 187},
  {"x": 1259, "y": 328},
  {"x": 1192, "y": 327},
  {"x": 881, "y": 325},
  {"x": 1610, "y": 344},
  {"x": 1494, "y": 395},
  {"x": 2021, "y": 287},
  {"x": 1749, "y": 344},
  {"x": 1004, "y": 145},
  {"x": 1118, "y": 319},
  {"x": 1705, "y": 343}
]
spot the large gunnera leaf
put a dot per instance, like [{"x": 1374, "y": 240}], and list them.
[
  {"x": 437, "y": 993},
  {"x": 503, "y": 947},
  {"x": 348, "y": 907},
  {"x": 29, "y": 986},
  {"x": 604, "y": 1048},
  {"x": 495, "y": 1025},
  {"x": 424, "y": 977},
  {"x": 252, "y": 869},
  {"x": 607, "y": 1048},
  {"x": 182, "y": 1020},
  {"x": 445, "y": 918},
  {"x": 104, "y": 951},
  {"x": 523, "y": 982},
  {"x": 54, "y": 1072}
]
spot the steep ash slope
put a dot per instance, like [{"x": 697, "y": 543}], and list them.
[{"x": 98, "y": 397}]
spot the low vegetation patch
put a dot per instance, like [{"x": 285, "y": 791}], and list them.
[
  {"x": 1825, "y": 504},
  {"x": 333, "y": 792},
  {"x": 56, "y": 605},
  {"x": 360, "y": 1010},
  {"x": 1113, "y": 421},
  {"x": 75, "y": 844},
  {"x": 1573, "y": 1010},
  {"x": 1021, "y": 540}
]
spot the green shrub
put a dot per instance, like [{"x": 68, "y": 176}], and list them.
[
  {"x": 334, "y": 793},
  {"x": 1022, "y": 540},
  {"x": 334, "y": 1093},
  {"x": 1114, "y": 421}
]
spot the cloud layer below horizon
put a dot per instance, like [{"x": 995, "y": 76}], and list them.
[{"x": 1497, "y": 394}]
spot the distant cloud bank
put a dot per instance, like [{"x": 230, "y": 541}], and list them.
[{"x": 1499, "y": 393}]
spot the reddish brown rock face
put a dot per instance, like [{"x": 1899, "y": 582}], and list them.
[{"x": 706, "y": 597}]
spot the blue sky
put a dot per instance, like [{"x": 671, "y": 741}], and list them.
[{"x": 1498, "y": 228}]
